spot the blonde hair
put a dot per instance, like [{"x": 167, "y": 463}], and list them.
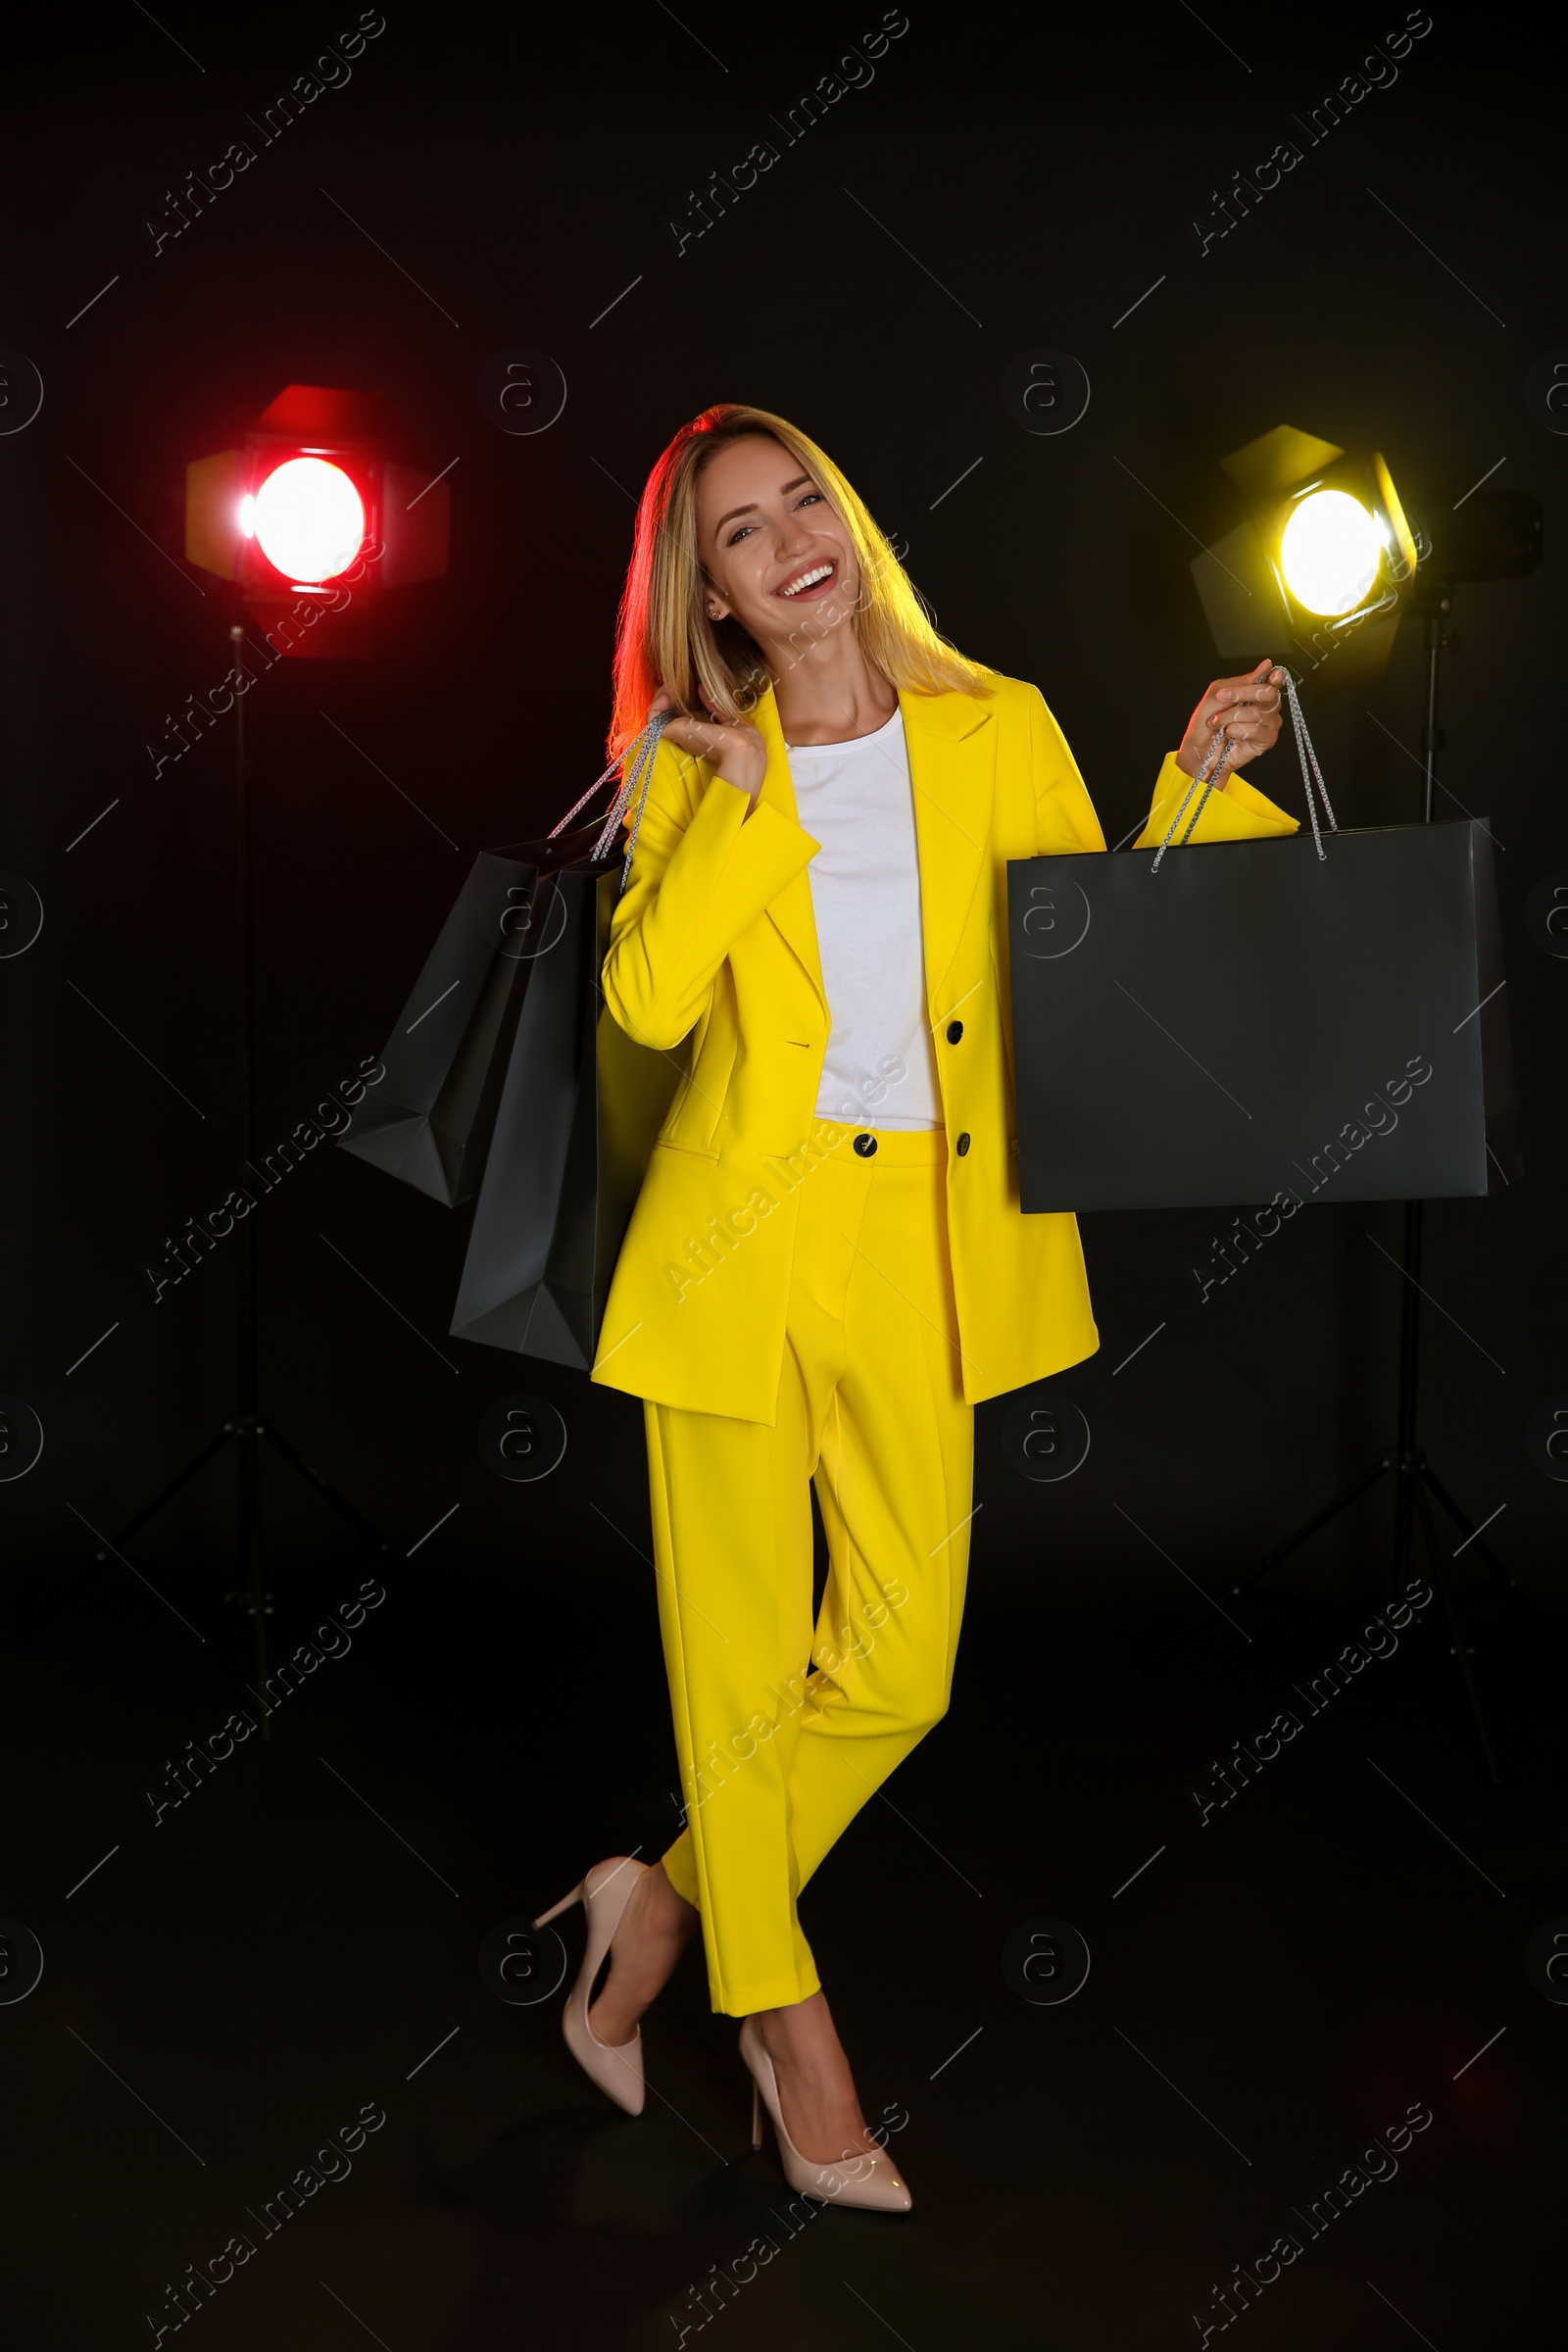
[{"x": 664, "y": 636}]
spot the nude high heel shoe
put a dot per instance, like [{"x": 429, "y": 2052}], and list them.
[
  {"x": 865, "y": 2180},
  {"x": 603, "y": 1895}
]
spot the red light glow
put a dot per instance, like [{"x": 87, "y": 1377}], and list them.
[{"x": 307, "y": 519}]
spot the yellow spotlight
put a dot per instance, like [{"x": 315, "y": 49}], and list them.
[
  {"x": 1330, "y": 551},
  {"x": 1322, "y": 566}
]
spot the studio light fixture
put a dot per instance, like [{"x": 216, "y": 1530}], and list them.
[
  {"x": 1318, "y": 574},
  {"x": 1325, "y": 563},
  {"x": 1330, "y": 551},
  {"x": 306, "y": 518},
  {"x": 1322, "y": 566},
  {"x": 312, "y": 522}
]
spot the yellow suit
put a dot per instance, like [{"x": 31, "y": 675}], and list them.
[
  {"x": 713, "y": 948},
  {"x": 795, "y": 1302}
]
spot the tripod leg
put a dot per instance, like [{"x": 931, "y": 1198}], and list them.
[
  {"x": 328, "y": 1494},
  {"x": 150, "y": 1511},
  {"x": 132, "y": 1527},
  {"x": 1410, "y": 1369},
  {"x": 251, "y": 1521},
  {"x": 1423, "y": 1512},
  {"x": 1329, "y": 1511},
  {"x": 1282, "y": 1551},
  {"x": 1483, "y": 1551}
]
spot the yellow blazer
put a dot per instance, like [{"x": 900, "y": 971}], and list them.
[{"x": 713, "y": 958}]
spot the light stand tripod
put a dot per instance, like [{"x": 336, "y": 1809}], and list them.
[
  {"x": 248, "y": 1426},
  {"x": 1416, "y": 1485}
]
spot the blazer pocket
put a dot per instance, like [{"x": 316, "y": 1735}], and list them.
[{"x": 688, "y": 1150}]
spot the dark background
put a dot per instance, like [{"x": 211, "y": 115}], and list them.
[{"x": 1032, "y": 177}]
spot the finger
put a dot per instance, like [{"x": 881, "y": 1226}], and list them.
[
  {"x": 1262, "y": 687},
  {"x": 1227, "y": 702},
  {"x": 690, "y": 735},
  {"x": 1246, "y": 743}
]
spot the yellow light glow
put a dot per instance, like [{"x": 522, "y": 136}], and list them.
[
  {"x": 308, "y": 519},
  {"x": 1330, "y": 551}
]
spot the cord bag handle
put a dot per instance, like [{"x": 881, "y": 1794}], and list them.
[
  {"x": 639, "y": 769},
  {"x": 1213, "y": 768}
]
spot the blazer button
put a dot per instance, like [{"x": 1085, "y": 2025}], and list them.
[
  {"x": 954, "y": 1032},
  {"x": 865, "y": 1145},
  {"x": 963, "y": 1145}
]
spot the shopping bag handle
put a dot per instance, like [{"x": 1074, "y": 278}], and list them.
[
  {"x": 1209, "y": 775},
  {"x": 638, "y": 773}
]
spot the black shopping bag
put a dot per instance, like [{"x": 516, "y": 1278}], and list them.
[
  {"x": 429, "y": 1119},
  {"x": 578, "y": 1112},
  {"x": 1316, "y": 1015},
  {"x": 577, "y": 1122}
]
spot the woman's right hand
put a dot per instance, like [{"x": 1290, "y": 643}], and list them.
[{"x": 738, "y": 754}]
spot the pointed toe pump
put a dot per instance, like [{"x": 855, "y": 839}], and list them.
[
  {"x": 603, "y": 1895},
  {"x": 869, "y": 2181}
]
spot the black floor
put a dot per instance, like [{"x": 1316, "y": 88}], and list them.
[{"x": 1275, "y": 1992}]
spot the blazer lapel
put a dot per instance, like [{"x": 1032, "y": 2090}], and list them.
[
  {"x": 952, "y": 741},
  {"x": 790, "y": 911}
]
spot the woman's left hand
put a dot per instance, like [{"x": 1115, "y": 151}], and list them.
[{"x": 1248, "y": 710}]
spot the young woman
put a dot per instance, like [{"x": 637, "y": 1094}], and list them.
[{"x": 827, "y": 1268}]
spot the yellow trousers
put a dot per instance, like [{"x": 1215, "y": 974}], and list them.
[{"x": 784, "y": 1730}]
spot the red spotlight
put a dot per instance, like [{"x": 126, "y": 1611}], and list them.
[
  {"x": 306, "y": 518},
  {"x": 312, "y": 522}
]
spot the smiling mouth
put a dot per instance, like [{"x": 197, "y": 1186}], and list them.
[{"x": 808, "y": 584}]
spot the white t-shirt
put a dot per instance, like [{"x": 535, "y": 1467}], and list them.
[{"x": 856, "y": 800}]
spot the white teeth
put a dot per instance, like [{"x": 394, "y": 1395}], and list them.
[{"x": 808, "y": 580}]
